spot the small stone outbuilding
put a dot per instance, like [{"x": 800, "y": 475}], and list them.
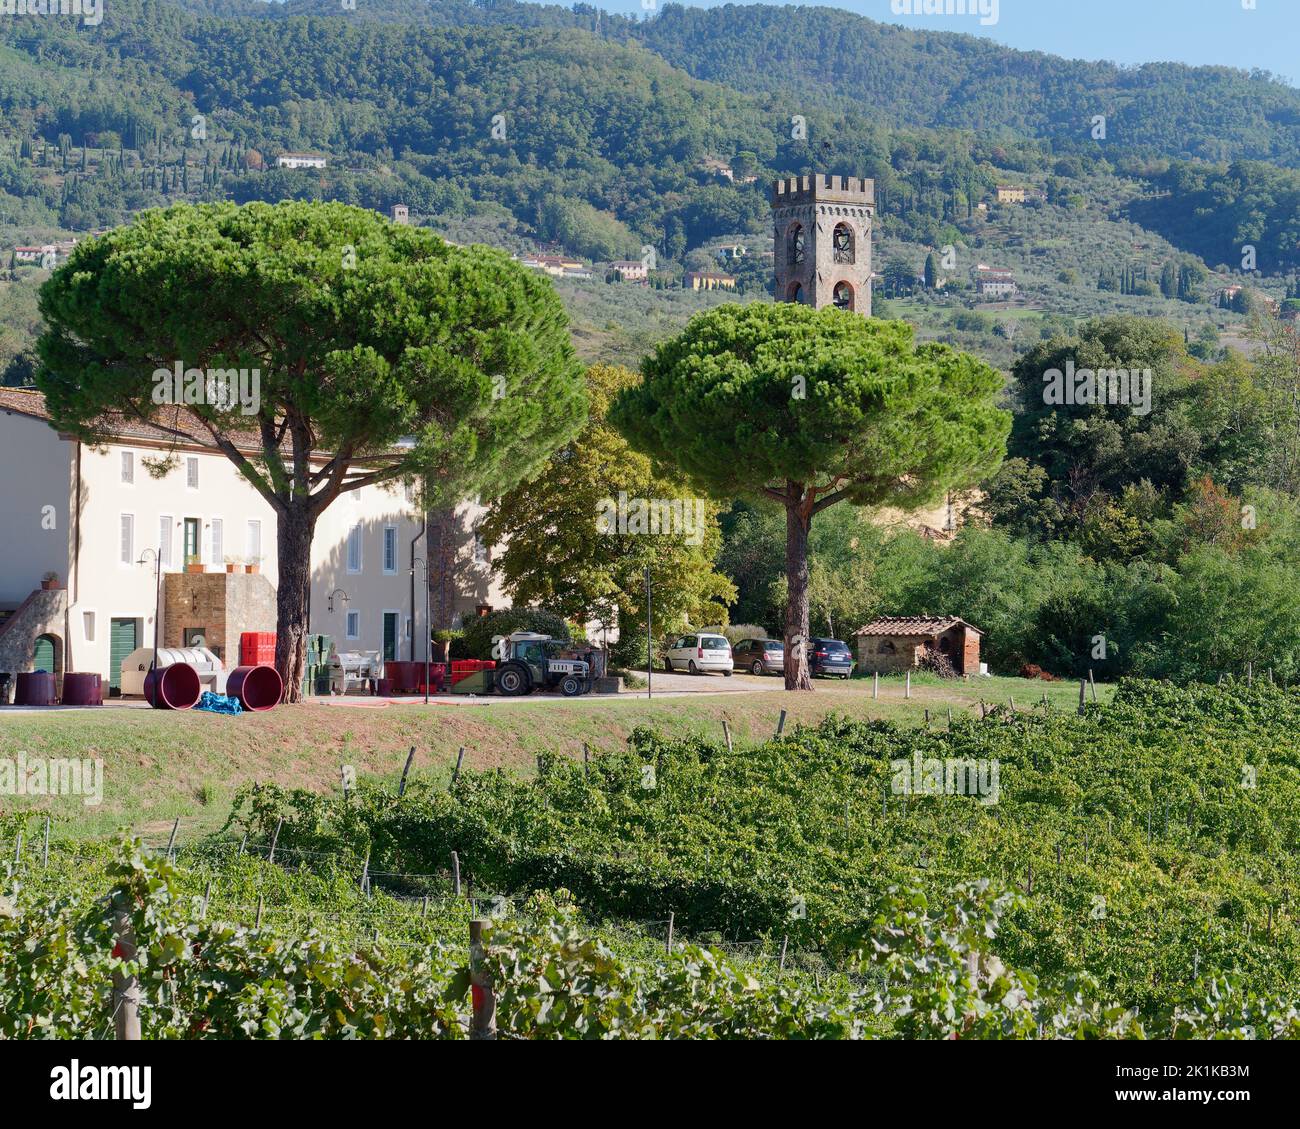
[{"x": 893, "y": 644}]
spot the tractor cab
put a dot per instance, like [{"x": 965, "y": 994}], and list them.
[{"x": 527, "y": 661}]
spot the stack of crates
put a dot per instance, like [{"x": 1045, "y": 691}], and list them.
[
  {"x": 316, "y": 669},
  {"x": 257, "y": 648}
]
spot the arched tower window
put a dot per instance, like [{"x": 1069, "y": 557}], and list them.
[
  {"x": 842, "y": 296},
  {"x": 794, "y": 292},
  {"x": 797, "y": 245},
  {"x": 842, "y": 243}
]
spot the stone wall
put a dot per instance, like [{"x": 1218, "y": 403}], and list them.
[
  {"x": 42, "y": 613},
  {"x": 888, "y": 654},
  {"x": 223, "y": 604},
  {"x": 893, "y": 654}
]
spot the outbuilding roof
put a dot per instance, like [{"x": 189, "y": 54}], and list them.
[{"x": 909, "y": 626}]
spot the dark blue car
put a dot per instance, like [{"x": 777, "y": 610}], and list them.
[{"x": 830, "y": 658}]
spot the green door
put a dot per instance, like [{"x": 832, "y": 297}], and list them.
[
  {"x": 43, "y": 657},
  {"x": 390, "y": 636},
  {"x": 121, "y": 642},
  {"x": 192, "y": 525}
]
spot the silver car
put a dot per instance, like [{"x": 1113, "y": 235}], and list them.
[{"x": 759, "y": 656}]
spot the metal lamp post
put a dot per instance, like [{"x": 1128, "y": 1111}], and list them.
[
  {"x": 428, "y": 625},
  {"x": 157, "y": 601},
  {"x": 649, "y": 644}
]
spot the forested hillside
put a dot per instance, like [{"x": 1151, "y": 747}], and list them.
[{"x": 520, "y": 125}]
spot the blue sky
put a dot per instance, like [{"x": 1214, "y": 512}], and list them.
[{"x": 1126, "y": 31}]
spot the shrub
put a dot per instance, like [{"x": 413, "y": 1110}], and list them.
[
  {"x": 1033, "y": 670},
  {"x": 476, "y": 635},
  {"x": 737, "y": 632}
]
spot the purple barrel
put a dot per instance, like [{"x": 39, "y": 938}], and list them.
[
  {"x": 258, "y": 688},
  {"x": 178, "y": 685},
  {"x": 35, "y": 688},
  {"x": 83, "y": 689}
]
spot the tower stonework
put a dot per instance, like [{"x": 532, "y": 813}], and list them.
[{"x": 822, "y": 240}]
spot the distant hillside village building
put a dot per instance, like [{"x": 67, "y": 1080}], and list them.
[
  {"x": 100, "y": 515},
  {"x": 301, "y": 161},
  {"x": 995, "y": 283},
  {"x": 558, "y": 266},
  {"x": 1011, "y": 194},
  {"x": 893, "y": 644},
  {"x": 724, "y": 171},
  {"x": 50, "y": 254},
  {"x": 707, "y": 280},
  {"x": 399, "y": 213},
  {"x": 630, "y": 270}
]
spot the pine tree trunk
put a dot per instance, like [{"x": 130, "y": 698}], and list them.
[
  {"x": 441, "y": 552},
  {"x": 294, "y": 531},
  {"x": 796, "y": 607}
]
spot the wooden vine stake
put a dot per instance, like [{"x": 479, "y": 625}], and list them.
[
  {"x": 483, "y": 1017},
  {"x": 726, "y": 732},
  {"x": 126, "y": 988},
  {"x": 275, "y": 838},
  {"x": 455, "y": 772},
  {"x": 401, "y": 787}
]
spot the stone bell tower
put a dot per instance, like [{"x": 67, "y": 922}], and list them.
[{"x": 822, "y": 240}]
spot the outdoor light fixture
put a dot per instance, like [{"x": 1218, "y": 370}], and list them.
[{"x": 336, "y": 592}]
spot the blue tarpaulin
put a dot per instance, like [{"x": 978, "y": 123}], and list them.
[{"x": 218, "y": 703}]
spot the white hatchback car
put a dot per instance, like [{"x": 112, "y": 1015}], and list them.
[{"x": 700, "y": 654}]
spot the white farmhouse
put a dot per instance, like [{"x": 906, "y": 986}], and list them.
[
  {"x": 301, "y": 161},
  {"x": 88, "y": 521}
]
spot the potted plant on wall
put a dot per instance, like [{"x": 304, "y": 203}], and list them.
[
  {"x": 194, "y": 564},
  {"x": 50, "y": 581},
  {"x": 254, "y": 564},
  {"x": 234, "y": 564}
]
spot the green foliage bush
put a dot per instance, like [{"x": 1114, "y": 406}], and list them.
[{"x": 476, "y": 634}]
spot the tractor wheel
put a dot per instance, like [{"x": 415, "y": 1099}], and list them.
[
  {"x": 571, "y": 686},
  {"x": 513, "y": 680}
]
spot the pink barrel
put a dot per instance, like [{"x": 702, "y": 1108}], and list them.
[
  {"x": 257, "y": 687},
  {"x": 35, "y": 688},
  {"x": 179, "y": 687},
  {"x": 82, "y": 689}
]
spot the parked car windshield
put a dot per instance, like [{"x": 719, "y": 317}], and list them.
[
  {"x": 773, "y": 645},
  {"x": 714, "y": 643}
]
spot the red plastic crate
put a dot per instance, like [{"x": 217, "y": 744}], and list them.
[
  {"x": 463, "y": 668},
  {"x": 257, "y": 648}
]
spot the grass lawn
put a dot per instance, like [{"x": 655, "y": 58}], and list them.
[{"x": 159, "y": 765}]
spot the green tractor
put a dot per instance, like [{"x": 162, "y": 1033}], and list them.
[{"x": 528, "y": 662}]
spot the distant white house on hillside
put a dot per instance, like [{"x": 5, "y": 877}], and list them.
[{"x": 301, "y": 161}]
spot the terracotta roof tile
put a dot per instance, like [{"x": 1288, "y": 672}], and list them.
[
  {"x": 913, "y": 625},
  {"x": 30, "y": 402}
]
